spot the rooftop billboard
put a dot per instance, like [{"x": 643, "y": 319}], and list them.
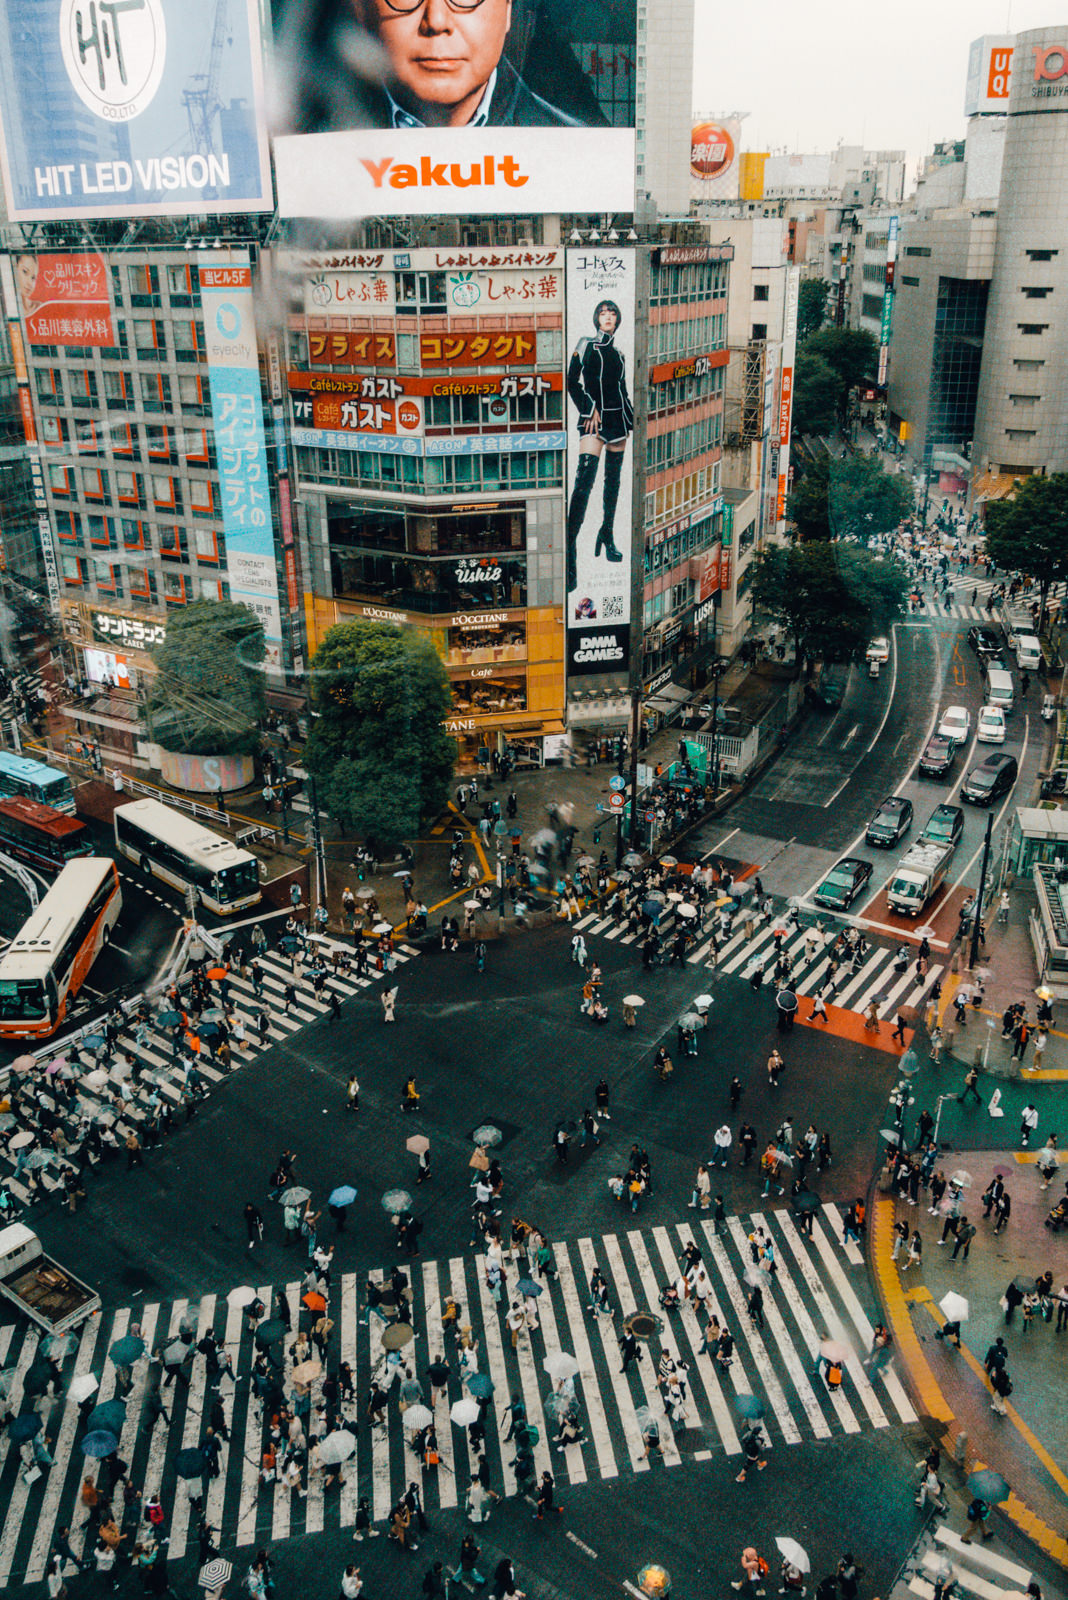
[
  {"x": 118, "y": 108},
  {"x": 486, "y": 106}
]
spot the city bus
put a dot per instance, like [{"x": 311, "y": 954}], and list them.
[
  {"x": 46, "y": 963},
  {"x": 41, "y": 835},
  {"x": 177, "y": 849},
  {"x": 18, "y": 775}
]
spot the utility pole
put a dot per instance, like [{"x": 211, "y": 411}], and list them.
[
  {"x": 978, "y": 913},
  {"x": 317, "y": 844}
]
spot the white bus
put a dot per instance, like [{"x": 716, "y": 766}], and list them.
[
  {"x": 177, "y": 849},
  {"x": 46, "y": 963}
]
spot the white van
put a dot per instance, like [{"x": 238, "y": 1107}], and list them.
[
  {"x": 1028, "y": 652},
  {"x": 999, "y": 690}
]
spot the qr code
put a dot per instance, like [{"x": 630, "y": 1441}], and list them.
[{"x": 613, "y": 607}]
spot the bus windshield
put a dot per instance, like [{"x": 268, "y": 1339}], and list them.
[
  {"x": 238, "y": 881},
  {"x": 22, "y": 999}
]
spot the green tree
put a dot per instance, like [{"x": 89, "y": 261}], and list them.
[
  {"x": 850, "y": 499},
  {"x": 208, "y": 696},
  {"x": 381, "y": 696},
  {"x": 852, "y": 353},
  {"x": 1029, "y": 533},
  {"x": 811, "y": 306},
  {"x": 830, "y": 597},
  {"x": 816, "y": 390}
]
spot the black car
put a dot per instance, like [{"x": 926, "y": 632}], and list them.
[
  {"x": 944, "y": 826},
  {"x": 893, "y": 818},
  {"x": 937, "y": 756},
  {"x": 985, "y": 642},
  {"x": 843, "y": 883},
  {"x": 991, "y": 780}
]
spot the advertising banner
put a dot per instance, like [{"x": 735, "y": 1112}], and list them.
[
  {"x": 499, "y": 106},
  {"x": 350, "y": 414},
  {"x": 10, "y": 297},
  {"x": 714, "y": 159},
  {"x": 509, "y": 385},
  {"x": 600, "y": 421},
  {"x": 65, "y": 300},
  {"x": 986, "y": 89},
  {"x": 119, "y": 108},
  {"x": 327, "y": 348},
  {"x": 237, "y": 411}
]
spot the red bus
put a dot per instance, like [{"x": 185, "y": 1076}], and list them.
[{"x": 40, "y": 835}]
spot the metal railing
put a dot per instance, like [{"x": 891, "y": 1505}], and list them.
[{"x": 26, "y": 879}]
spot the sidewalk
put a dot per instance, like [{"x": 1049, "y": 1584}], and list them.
[{"x": 1030, "y": 1444}]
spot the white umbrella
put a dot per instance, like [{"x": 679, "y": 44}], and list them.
[
  {"x": 703, "y": 1000},
  {"x": 97, "y": 1079},
  {"x": 418, "y": 1417},
  {"x": 383, "y": 927},
  {"x": 633, "y": 1000},
  {"x": 365, "y": 893},
  {"x": 686, "y": 911},
  {"x": 241, "y": 1296},
  {"x": 464, "y": 1412},
  {"x": 926, "y": 932},
  {"x": 954, "y": 1306},
  {"x": 560, "y": 1365},
  {"x": 793, "y": 1553},
  {"x": 834, "y": 1350},
  {"x": 82, "y": 1387},
  {"x": 214, "y": 1575},
  {"x": 19, "y": 1141},
  {"x": 337, "y": 1447},
  {"x": 669, "y": 861}
]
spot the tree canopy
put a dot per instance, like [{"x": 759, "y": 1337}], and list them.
[
  {"x": 816, "y": 391},
  {"x": 1029, "y": 533},
  {"x": 830, "y": 597},
  {"x": 209, "y": 693},
  {"x": 848, "y": 499},
  {"x": 811, "y": 306},
  {"x": 377, "y": 741},
  {"x": 852, "y": 353}
]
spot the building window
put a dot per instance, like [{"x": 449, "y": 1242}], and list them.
[
  {"x": 1031, "y": 327},
  {"x": 1029, "y": 292},
  {"x": 1023, "y": 365},
  {"x": 1018, "y": 434},
  {"x": 760, "y": 331},
  {"x": 1024, "y": 399},
  {"x": 1041, "y": 255},
  {"x": 760, "y": 291},
  {"x": 200, "y": 499},
  {"x": 205, "y": 544},
  {"x": 912, "y": 283},
  {"x": 58, "y": 479},
  {"x": 917, "y": 250}
]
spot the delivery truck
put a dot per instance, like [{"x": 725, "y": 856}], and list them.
[
  {"x": 917, "y": 877},
  {"x": 46, "y": 1292}
]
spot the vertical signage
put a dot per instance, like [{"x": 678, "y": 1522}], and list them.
[
  {"x": 237, "y": 412},
  {"x": 786, "y": 394},
  {"x": 22, "y": 380},
  {"x": 600, "y": 422}
]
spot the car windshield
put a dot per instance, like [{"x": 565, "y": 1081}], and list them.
[{"x": 841, "y": 877}]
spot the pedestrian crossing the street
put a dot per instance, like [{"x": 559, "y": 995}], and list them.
[
  {"x": 814, "y": 1295},
  {"x": 158, "y": 1068},
  {"x": 878, "y": 978}
]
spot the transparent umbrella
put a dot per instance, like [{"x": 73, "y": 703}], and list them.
[
  {"x": 337, "y": 1447},
  {"x": 418, "y": 1417},
  {"x": 100, "y": 1445},
  {"x": 82, "y": 1387},
  {"x": 295, "y": 1196},
  {"x": 464, "y": 1412},
  {"x": 58, "y": 1345},
  {"x": 560, "y": 1365},
  {"x": 632, "y": 859},
  {"x": 962, "y": 1179},
  {"x": 487, "y": 1135},
  {"x": 396, "y": 1200},
  {"x": 793, "y": 1553}
]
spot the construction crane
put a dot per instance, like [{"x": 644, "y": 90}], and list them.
[{"x": 201, "y": 99}]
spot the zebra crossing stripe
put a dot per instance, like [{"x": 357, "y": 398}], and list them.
[
  {"x": 610, "y": 1346},
  {"x": 462, "y": 1450},
  {"x": 702, "y": 1363},
  {"x": 647, "y": 1278},
  {"x": 596, "y": 1422},
  {"x": 787, "y": 1351},
  {"x": 890, "y": 1379},
  {"x": 646, "y": 1377},
  {"x": 811, "y": 1279},
  {"x": 757, "y": 1349},
  {"x": 347, "y": 1322},
  {"x": 191, "y": 1432},
  {"x": 435, "y": 1346},
  {"x": 381, "y": 1497},
  {"x": 550, "y": 1338},
  {"x": 62, "y": 1448},
  {"x": 252, "y": 1448}
]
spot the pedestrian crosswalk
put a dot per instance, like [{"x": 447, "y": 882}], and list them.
[
  {"x": 144, "y": 1069},
  {"x": 878, "y": 978},
  {"x": 815, "y": 1294}
]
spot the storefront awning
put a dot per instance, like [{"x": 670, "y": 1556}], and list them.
[
  {"x": 668, "y": 698},
  {"x": 994, "y": 486}
]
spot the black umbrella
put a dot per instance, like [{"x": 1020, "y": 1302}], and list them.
[
  {"x": 806, "y": 1201},
  {"x": 749, "y": 1405},
  {"x": 189, "y": 1463},
  {"x": 271, "y": 1332}
]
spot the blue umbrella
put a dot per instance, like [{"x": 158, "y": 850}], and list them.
[
  {"x": 208, "y": 1030},
  {"x": 343, "y": 1196},
  {"x": 653, "y": 909},
  {"x": 287, "y": 942},
  {"x": 99, "y": 1445},
  {"x": 126, "y": 1350},
  {"x": 189, "y": 1463},
  {"x": 108, "y": 1417},
  {"x": 480, "y": 1384},
  {"x": 528, "y": 1286},
  {"x": 93, "y": 1041},
  {"x": 168, "y": 1019},
  {"x": 24, "y": 1427},
  {"x": 748, "y": 1405}
]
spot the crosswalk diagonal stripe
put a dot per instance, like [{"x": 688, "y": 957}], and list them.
[
  {"x": 748, "y": 1334},
  {"x": 381, "y": 1495},
  {"x": 628, "y": 1306},
  {"x": 813, "y": 1284},
  {"x": 550, "y": 1338},
  {"x": 785, "y": 1285},
  {"x": 435, "y": 1346},
  {"x": 62, "y": 1448},
  {"x": 252, "y": 1451},
  {"x": 621, "y": 1389},
  {"x": 461, "y": 1449},
  {"x": 648, "y": 1282},
  {"x": 586, "y": 1385},
  {"x": 702, "y": 1362},
  {"x": 860, "y": 1321},
  {"x": 773, "y": 1318},
  {"x": 523, "y": 1355}
]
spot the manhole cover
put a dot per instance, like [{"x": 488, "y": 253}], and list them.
[{"x": 643, "y": 1325}]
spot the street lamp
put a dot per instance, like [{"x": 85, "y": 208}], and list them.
[{"x": 719, "y": 667}]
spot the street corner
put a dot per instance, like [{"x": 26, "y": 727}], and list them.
[{"x": 851, "y": 1026}]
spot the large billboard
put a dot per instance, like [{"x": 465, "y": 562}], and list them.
[
  {"x": 487, "y": 106},
  {"x": 600, "y": 422},
  {"x": 237, "y": 414},
  {"x": 65, "y": 299},
  {"x": 714, "y": 159},
  {"x": 986, "y": 90},
  {"x": 118, "y": 108}
]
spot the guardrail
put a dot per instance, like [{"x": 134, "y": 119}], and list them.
[{"x": 26, "y": 879}]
